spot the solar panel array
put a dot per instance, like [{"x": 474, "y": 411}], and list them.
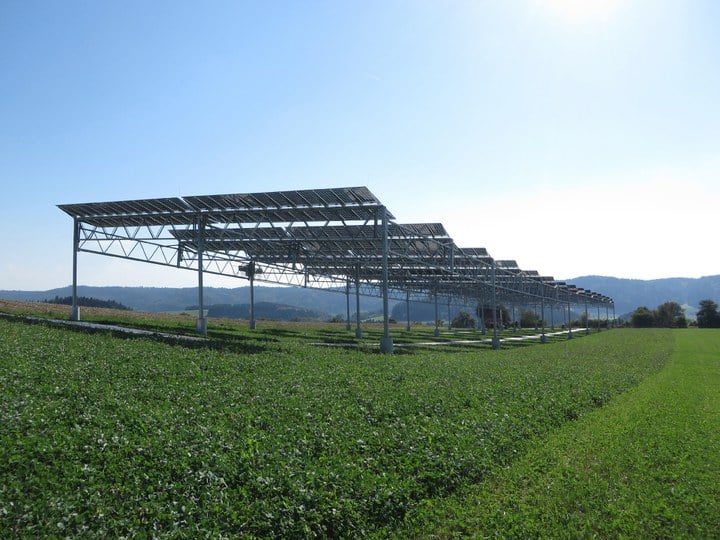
[{"x": 319, "y": 237}]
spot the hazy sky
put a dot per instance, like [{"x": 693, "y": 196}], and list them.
[{"x": 574, "y": 136}]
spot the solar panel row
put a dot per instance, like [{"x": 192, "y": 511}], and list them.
[{"x": 326, "y": 232}]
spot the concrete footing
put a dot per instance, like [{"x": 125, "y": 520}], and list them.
[
  {"x": 201, "y": 326},
  {"x": 386, "y": 345}
]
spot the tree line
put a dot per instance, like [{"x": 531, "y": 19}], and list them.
[
  {"x": 86, "y": 301},
  {"x": 672, "y": 315},
  {"x": 707, "y": 315}
]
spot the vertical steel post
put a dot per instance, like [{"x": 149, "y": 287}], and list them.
[
  {"x": 543, "y": 337},
  {"x": 251, "y": 275},
  {"x": 348, "y": 326},
  {"x": 201, "y": 323},
  {"x": 437, "y": 316},
  {"x": 358, "y": 328},
  {"x": 495, "y": 338},
  {"x": 483, "y": 328},
  {"x": 407, "y": 308},
  {"x": 587, "y": 318},
  {"x": 448, "y": 312},
  {"x": 75, "y": 309},
  {"x": 451, "y": 267},
  {"x": 386, "y": 342}
]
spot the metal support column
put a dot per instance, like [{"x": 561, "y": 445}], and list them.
[
  {"x": 407, "y": 309},
  {"x": 451, "y": 267},
  {"x": 587, "y": 318},
  {"x": 201, "y": 322},
  {"x": 437, "y": 316},
  {"x": 495, "y": 338},
  {"x": 251, "y": 276},
  {"x": 348, "y": 326},
  {"x": 75, "y": 309},
  {"x": 448, "y": 312},
  {"x": 543, "y": 337},
  {"x": 481, "y": 315},
  {"x": 386, "y": 341},
  {"x": 358, "y": 328}
]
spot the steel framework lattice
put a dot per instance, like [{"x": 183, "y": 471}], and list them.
[{"x": 321, "y": 238}]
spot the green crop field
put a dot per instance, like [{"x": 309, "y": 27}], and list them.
[
  {"x": 262, "y": 434},
  {"x": 645, "y": 466}
]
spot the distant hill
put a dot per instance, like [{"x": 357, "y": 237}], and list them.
[
  {"x": 627, "y": 293},
  {"x": 319, "y": 303}
]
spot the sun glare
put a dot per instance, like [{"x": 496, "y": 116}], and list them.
[{"x": 582, "y": 11}]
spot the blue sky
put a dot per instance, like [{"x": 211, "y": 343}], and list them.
[{"x": 574, "y": 136}]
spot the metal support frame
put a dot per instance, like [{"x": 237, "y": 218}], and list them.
[{"x": 309, "y": 238}]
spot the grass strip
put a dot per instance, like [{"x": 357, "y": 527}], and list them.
[{"x": 645, "y": 466}]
